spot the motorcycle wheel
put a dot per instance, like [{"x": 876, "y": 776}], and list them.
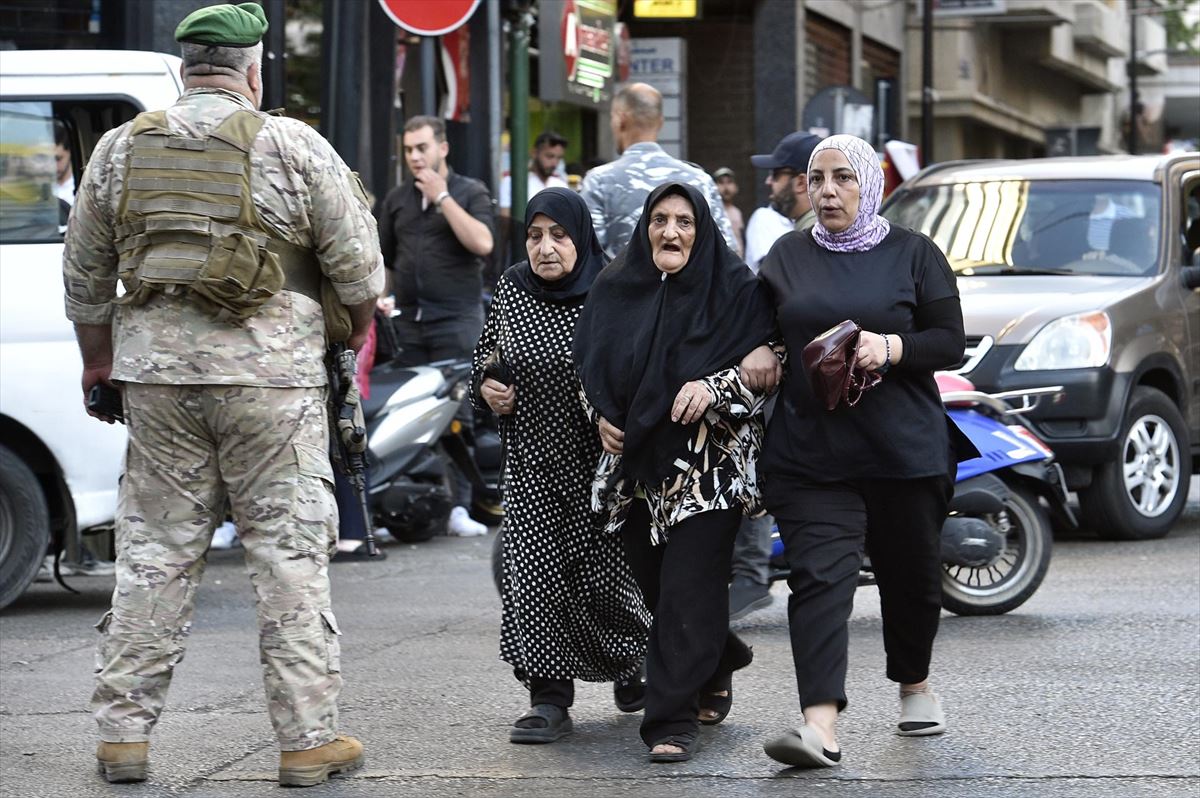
[{"x": 1015, "y": 575}]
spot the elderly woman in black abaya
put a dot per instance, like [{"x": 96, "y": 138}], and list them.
[
  {"x": 658, "y": 346},
  {"x": 571, "y": 607}
]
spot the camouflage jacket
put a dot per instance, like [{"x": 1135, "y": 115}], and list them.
[
  {"x": 303, "y": 192},
  {"x": 616, "y": 192}
]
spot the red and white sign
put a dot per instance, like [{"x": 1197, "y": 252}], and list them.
[{"x": 429, "y": 17}]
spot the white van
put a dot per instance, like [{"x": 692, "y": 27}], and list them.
[{"x": 58, "y": 466}]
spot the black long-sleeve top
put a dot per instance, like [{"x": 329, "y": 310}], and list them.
[
  {"x": 434, "y": 276},
  {"x": 898, "y": 430}
]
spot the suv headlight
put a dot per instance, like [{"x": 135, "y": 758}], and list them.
[{"x": 1072, "y": 342}]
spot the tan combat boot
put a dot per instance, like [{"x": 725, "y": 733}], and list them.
[
  {"x": 307, "y": 768},
  {"x": 120, "y": 763}
]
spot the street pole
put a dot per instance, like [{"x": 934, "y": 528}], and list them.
[
  {"x": 519, "y": 112},
  {"x": 274, "y": 71},
  {"x": 495, "y": 99},
  {"x": 926, "y": 82},
  {"x": 1133, "y": 93},
  {"x": 429, "y": 47}
]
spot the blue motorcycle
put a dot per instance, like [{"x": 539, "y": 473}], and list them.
[{"x": 998, "y": 538}]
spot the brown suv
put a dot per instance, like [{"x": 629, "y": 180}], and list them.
[{"x": 1083, "y": 272}]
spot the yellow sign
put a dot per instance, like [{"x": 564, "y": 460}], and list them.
[{"x": 665, "y": 9}]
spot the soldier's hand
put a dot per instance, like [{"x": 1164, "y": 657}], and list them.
[
  {"x": 93, "y": 376},
  {"x": 430, "y": 183},
  {"x": 357, "y": 341}
]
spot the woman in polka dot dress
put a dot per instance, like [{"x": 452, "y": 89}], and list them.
[{"x": 571, "y": 607}]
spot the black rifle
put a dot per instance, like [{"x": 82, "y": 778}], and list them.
[{"x": 348, "y": 430}]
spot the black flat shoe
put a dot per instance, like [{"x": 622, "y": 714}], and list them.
[
  {"x": 719, "y": 704},
  {"x": 688, "y": 741},
  {"x": 543, "y": 723}
]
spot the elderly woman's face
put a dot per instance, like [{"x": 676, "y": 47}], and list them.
[
  {"x": 551, "y": 251},
  {"x": 834, "y": 190},
  {"x": 672, "y": 233}
]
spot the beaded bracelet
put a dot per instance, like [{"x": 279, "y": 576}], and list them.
[{"x": 887, "y": 354}]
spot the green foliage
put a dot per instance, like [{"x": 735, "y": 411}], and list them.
[
  {"x": 304, "y": 63},
  {"x": 1181, "y": 36}
]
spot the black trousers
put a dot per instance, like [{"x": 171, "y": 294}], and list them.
[
  {"x": 686, "y": 584},
  {"x": 824, "y": 527},
  {"x": 559, "y": 692},
  {"x": 423, "y": 342}
]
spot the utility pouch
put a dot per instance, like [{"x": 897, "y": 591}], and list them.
[{"x": 239, "y": 276}]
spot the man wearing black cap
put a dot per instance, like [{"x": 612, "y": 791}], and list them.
[
  {"x": 244, "y": 243},
  {"x": 789, "y": 202}
]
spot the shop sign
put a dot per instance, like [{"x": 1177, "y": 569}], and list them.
[
  {"x": 665, "y": 9},
  {"x": 662, "y": 64},
  {"x": 426, "y": 18},
  {"x": 578, "y": 58}
]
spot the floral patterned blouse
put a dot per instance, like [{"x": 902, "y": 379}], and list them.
[{"x": 728, "y": 440}]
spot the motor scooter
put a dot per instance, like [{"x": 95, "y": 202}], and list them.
[
  {"x": 997, "y": 540},
  {"x": 411, "y": 429}
]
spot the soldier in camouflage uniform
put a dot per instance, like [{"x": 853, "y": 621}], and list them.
[
  {"x": 616, "y": 191},
  {"x": 226, "y": 226}
]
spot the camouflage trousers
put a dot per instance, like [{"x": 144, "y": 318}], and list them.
[{"x": 192, "y": 448}]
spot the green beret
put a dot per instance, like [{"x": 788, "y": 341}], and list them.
[{"x": 225, "y": 25}]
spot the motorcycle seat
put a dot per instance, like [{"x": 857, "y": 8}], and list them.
[{"x": 385, "y": 380}]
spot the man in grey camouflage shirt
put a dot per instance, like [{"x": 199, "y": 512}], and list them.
[
  {"x": 219, "y": 407},
  {"x": 616, "y": 191}
]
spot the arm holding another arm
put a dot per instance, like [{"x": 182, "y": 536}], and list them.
[{"x": 733, "y": 396}]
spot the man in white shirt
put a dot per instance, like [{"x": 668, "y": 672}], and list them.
[
  {"x": 789, "y": 167},
  {"x": 548, "y": 150}
]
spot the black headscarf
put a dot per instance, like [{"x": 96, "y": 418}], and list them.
[
  {"x": 642, "y": 336},
  {"x": 568, "y": 209}
]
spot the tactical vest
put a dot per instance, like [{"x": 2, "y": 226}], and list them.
[{"x": 187, "y": 223}]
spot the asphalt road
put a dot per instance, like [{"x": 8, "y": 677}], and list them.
[{"x": 1090, "y": 690}]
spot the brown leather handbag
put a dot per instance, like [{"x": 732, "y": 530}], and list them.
[{"x": 830, "y": 361}]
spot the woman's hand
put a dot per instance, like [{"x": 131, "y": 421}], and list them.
[
  {"x": 873, "y": 352},
  {"x": 611, "y": 438},
  {"x": 501, "y": 398},
  {"x": 760, "y": 370},
  {"x": 692, "y": 401}
]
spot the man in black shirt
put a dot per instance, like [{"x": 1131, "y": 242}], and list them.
[{"x": 435, "y": 231}]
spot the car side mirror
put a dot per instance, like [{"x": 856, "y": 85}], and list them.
[{"x": 1191, "y": 277}]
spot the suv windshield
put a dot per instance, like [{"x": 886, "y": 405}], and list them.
[{"x": 1100, "y": 227}]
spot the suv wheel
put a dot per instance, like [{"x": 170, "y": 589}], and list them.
[
  {"x": 1140, "y": 495},
  {"x": 24, "y": 526}
]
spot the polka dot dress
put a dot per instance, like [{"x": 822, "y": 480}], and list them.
[{"x": 571, "y": 608}]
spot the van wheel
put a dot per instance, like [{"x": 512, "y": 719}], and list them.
[
  {"x": 1140, "y": 495},
  {"x": 24, "y": 526}
]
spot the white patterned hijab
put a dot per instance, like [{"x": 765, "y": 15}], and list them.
[{"x": 868, "y": 227}]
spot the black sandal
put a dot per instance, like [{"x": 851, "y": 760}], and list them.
[
  {"x": 719, "y": 704},
  {"x": 688, "y": 741},
  {"x": 630, "y": 694},
  {"x": 543, "y": 723}
]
